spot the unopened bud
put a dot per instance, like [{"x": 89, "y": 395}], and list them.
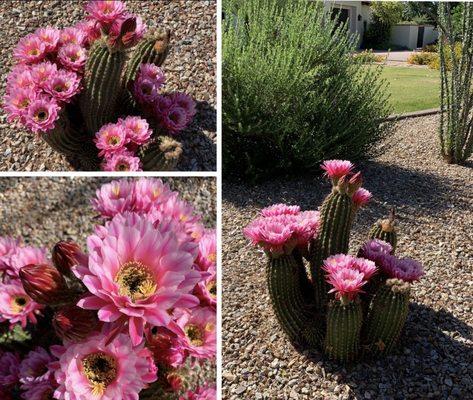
[
  {"x": 355, "y": 182},
  {"x": 64, "y": 255},
  {"x": 44, "y": 284},
  {"x": 74, "y": 323}
]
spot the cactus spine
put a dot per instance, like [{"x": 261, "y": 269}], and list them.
[
  {"x": 385, "y": 229},
  {"x": 387, "y": 316},
  {"x": 102, "y": 72},
  {"x": 342, "y": 340},
  {"x": 335, "y": 222},
  {"x": 163, "y": 155},
  {"x": 283, "y": 278}
]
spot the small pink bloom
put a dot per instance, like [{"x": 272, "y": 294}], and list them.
[
  {"x": 136, "y": 272},
  {"x": 17, "y": 103},
  {"x": 30, "y": 49},
  {"x": 110, "y": 138},
  {"x": 153, "y": 73},
  {"x": 16, "y": 306},
  {"x": 73, "y": 57},
  {"x": 166, "y": 347},
  {"x": 207, "y": 258},
  {"x": 137, "y": 129},
  {"x": 34, "y": 368},
  {"x": 338, "y": 262},
  {"x": 8, "y": 247},
  {"x": 335, "y": 169},
  {"x": 24, "y": 256},
  {"x": 174, "y": 119},
  {"x": 161, "y": 106},
  {"x": 63, "y": 85},
  {"x": 145, "y": 91},
  {"x": 306, "y": 227},
  {"x": 42, "y": 72},
  {"x": 20, "y": 78},
  {"x": 361, "y": 197},
  {"x": 105, "y": 11},
  {"x": 101, "y": 369},
  {"x": 185, "y": 102},
  {"x": 90, "y": 29},
  {"x": 374, "y": 249},
  {"x": 280, "y": 209},
  {"x": 121, "y": 162},
  {"x": 114, "y": 198},
  {"x": 72, "y": 35},
  {"x": 9, "y": 369},
  {"x": 150, "y": 193},
  {"x": 366, "y": 267},
  {"x": 406, "y": 269},
  {"x": 50, "y": 37},
  {"x": 200, "y": 331},
  {"x": 206, "y": 290},
  {"x": 206, "y": 392},
  {"x": 42, "y": 114},
  {"x": 346, "y": 282}
]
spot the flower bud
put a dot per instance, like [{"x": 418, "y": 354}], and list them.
[
  {"x": 355, "y": 183},
  {"x": 44, "y": 284},
  {"x": 64, "y": 255},
  {"x": 175, "y": 381},
  {"x": 74, "y": 323}
]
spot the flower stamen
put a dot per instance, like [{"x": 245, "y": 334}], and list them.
[
  {"x": 135, "y": 281},
  {"x": 100, "y": 370}
]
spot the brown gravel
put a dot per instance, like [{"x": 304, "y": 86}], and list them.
[
  {"x": 434, "y": 203},
  {"x": 190, "y": 67}
]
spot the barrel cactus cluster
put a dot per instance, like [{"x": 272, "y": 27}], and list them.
[
  {"x": 347, "y": 306},
  {"x": 133, "y": 316},
  {"x": 95, "y": 91}
]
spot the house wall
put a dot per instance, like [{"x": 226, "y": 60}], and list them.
[
  {"x": 406, "y": 35},
  {"x": 430, "y": 35}
]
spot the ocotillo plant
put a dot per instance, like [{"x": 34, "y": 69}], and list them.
[
  {"x": 349, "y": 306},
  {"x": 456, "y": 120},
  {"x": 94, "y": 91}
]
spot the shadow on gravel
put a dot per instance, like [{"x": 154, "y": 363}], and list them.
[{"x": 435, "y": 347}]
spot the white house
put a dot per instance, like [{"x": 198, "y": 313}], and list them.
[{"x": 413, "y": 36}]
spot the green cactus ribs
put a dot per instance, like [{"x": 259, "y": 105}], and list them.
[
  {"x": 342, "y": 340},
  {"x": 283, "y": 278},
  {"x": 385, "y": 229},
  {"x": 163, "y": 155},
  {"x": 386, "y": 317},
  {"x": 102, "y": 72},
  {"x": 335, "y": 222}
]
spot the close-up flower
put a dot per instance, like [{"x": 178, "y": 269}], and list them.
[
  {"x": 63, "y": 85},
  {"x": 41, "y": 114}
]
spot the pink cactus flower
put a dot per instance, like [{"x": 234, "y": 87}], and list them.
[
  {"x": 207, "y": 258},
  {"x": 185, "y": 102},
  {"x": 137, "y": 130},
  {"x": 73, "y": 57},
  {"x": 306, "y": 227},
  {"x": 406, "y": 269},
  {"x": 16, "y": 306},
  {"x": 361, "y": 197},
  {"x": 110, "y": 138},
  {"x": 90, "y": 29},
  {"x": 40, "y": 391},
  {"x": 280, "y": 209},
  {"x": 150, "y": 193},
  {"x": 17, "y": 103},
  {"x": 161, "y": 106},
  {"x": 42, "y": 114},
  {"x": 174, "y": 120},
  {"x": 43, "y": 72},
  {"x": 8, "y": 247},
  {"x": 206, "y": 290},
  {"x": 166, "y": 347},
  {"x": 335, "y": 169},
  {"x": 337, "y": 262},
  {"x": 63, "y": 86},
  {"x": 346, "y": 282},
  {"x": 136, "y": 273},
  {"x": 20, "y": 78},
  {"x": 9, "y": 369},
  {"x": 121, "y": 162},
  {"x": 72, "y": 35},
  {"x": 199, "y": 327},
  {"x": 153, "y": 73},
  {"x": 49, "y": 36},
  {"x": 30, "y": 49},
  {"x": 130, "y": 38},
  {"x": 105, "y": 11},
  {"x": 114, "y": 198},
  {"x": 145, "y": 91},
  {"x": 96, "y": 369},
  {"x": 366, "y": 267},
  {"x": 24, "y": 256},
  {"x": 374, "y": 249},
  {"x": 34, "y": 368},
  {"x": 206, "y": 392}
]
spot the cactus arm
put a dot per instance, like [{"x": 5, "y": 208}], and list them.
[{"x": 385, "y": 229}]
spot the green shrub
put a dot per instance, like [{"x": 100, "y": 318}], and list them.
[
  {"x": 430, "y": 48},
  {"x": 422, "y": 58},
  {"x": 292, "y": 94},
  {"x": 367, "y": 57},
  {"x": 435, "y": 63}
]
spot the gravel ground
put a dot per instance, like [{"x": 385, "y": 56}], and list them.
[
  {"x": 434, "y": 203},
  {"x": 190, "y": 67},
  {"x": 46, "y": 210}
]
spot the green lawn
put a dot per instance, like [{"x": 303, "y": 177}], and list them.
[{"x": 412, "y": 89}]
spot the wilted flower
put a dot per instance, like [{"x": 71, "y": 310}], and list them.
[
  {"x": 174, "y": 119},
  {"x": 185, "y": 102},
  {"x": 9, "y": 369},
  {"x": 165, "y": 346},
  {"x": 34, "y": 368}
]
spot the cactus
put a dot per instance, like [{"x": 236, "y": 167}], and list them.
[
  {"x": 163, "y": 155},
  {"x": 385, "y": 229},
  {"x": 342, "y": 339},
  {"x": 336, "y": 218},
  {"x": 283, "y": 277},
  {"x": 387, "y": 316},
  {"x": 101, "y": 92}
]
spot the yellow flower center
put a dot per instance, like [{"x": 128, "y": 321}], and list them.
[
  {"x": 33, "y": 52},
  {"x": 212, "y": 257},
  {"x": 122, "y": 167},
  {"x": 18, "y": 303},
  {"x": 194, "y": 334},
  {"x": 113, "y": 140},
  {"x": 100, "y": 370},
  {"x": 41, "y": 115},
  {"x": 212, "y": 288},
  {"x": 135, "y": 281}
]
